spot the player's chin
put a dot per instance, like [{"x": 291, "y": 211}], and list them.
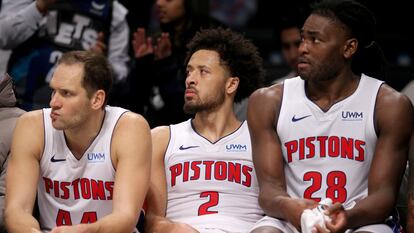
[
  {"x": 58, "y": 125},
  {"x": 190, "y": 108}
]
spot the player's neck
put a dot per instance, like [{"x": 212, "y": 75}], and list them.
[
  {"x": 80, "y": 138},
  {"x": 216, "y": 124},
  {"x": 328, "y": 92}
]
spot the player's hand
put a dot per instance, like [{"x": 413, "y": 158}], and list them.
[
  {"x": 163, "y": 48},
  {"x": 43, "y": 5},
  {"x": 295, "y": 209},
  {"x": 338, "y": 221},
  {"x": 81, "y": 228},
  {"x": 100, "y": 46},
  {"x": 141, "y": 44}
]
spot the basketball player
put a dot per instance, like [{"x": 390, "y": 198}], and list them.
[
  {"x": 332, "y": 132},
  {"x": 203, "y": 179},
  {"x": 88, "y": 162}
]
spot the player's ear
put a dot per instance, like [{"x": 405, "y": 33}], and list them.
[
  {"x": 98, "y": 99},
  {"x": 351, "y": 46},
  {"x": 232, "y": 84}
]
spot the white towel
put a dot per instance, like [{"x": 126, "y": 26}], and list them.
[{"x": 311, "y": 217}]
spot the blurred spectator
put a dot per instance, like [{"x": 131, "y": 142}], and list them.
[
  {"x": 157, "y": 81},
  {"x": 234, "y": 13},
  {"x": 8, "y": 117},
  {"x": 44, "y": 29},
  {"x": 290, "y": 39}
]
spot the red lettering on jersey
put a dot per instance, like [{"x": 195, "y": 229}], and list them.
[
  {"x": 56, "y": 188},
  {"x": 64, "y": 187},
  {"x": 109, "y": 186},
  {"x": 98, "y": 190},
  {"x": 234, "y": 174},
  {"x": 217, "y": 170},
  {"x": 311, "y": 147},
  {"x": 195, "y": 166},
  {"x": 89, "y": 217},
  {"x": 208, "y": 165},
  {"x": 333, "y": 146},
  {"x": 347, "y": 148},
  {"x": 359, "y": 146},
  {"x": 175, "y": 170},
  {"x": 291, "y": 147},
  {"x": 85, "y": 188},
  {"x": 89, "y": 189},
  {"x": 186, "y": 171},
  {"x": 48, "y": 184},
  {"x": 301, "y": 149},
  {"x": 63, "y": 218},
  {"x": 75, "y": 185},
  {"x": 220, "y": 170},
  {"x": 322, "y": 147},
  {"x": 247, "y": 173}
]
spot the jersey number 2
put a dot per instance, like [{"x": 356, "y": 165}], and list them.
[
  {"x": 212, "y": 201},
  {"x": 335, "y": 180}
]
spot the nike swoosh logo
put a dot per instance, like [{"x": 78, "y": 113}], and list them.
[
  {"x": 188, "y": 147},
  {"x": 53, "y": 160},
  {"x": 294, "y": 119}
]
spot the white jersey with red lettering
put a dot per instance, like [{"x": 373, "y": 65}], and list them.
[
  {"x": 328, "y": 154},
  {"x": 211, "y": 186},
  {"x": 72, "y": 191}
]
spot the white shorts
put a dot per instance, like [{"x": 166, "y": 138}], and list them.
[{"x": 286, "y": 227}]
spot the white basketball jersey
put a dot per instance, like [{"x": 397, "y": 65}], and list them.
[
  {"x": 328, "y": 154},
  {"x": 211, "y": 185},
  {"x": 72, "y": 191}
]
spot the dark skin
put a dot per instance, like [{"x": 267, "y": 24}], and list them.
[
  {"x": 325, "y": 64},
  {"x": 410, "y": 214}
]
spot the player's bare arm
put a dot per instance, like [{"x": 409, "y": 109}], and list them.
[
  {"x": 155, "y": 220},
  {"x": 268, "y": 158},
  {"x": 132, "y": 150},
  {"x": 410, "y": 214},
  {"x": 157, "y": 193},
  {"x": 23, "y": 172},
  {"x": 394, "y": 125}
]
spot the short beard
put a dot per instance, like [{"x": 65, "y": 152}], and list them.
[{"x": 193, "y": 108}]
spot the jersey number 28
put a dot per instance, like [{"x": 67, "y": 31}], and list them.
[{"x": 335, "y": 180}]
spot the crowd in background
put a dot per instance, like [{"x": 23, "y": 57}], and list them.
[
  {"x": 148, "y": 63},
  {"x": 146, "y": 44}
]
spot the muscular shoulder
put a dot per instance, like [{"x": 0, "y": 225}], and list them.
[
  {"x": 393, "y": 108},
  {"x": 130, "y": 121},
  {"x": 32, "y": 120},
  {"x": 131, "y": 137},
  {"x": 271, "y": 94},
  {"x": 388, "y": 95},
  {"x": 265, "y": 102},
  {"x": 29, "y": 133},
  {"x": 160, "y": 137}
]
